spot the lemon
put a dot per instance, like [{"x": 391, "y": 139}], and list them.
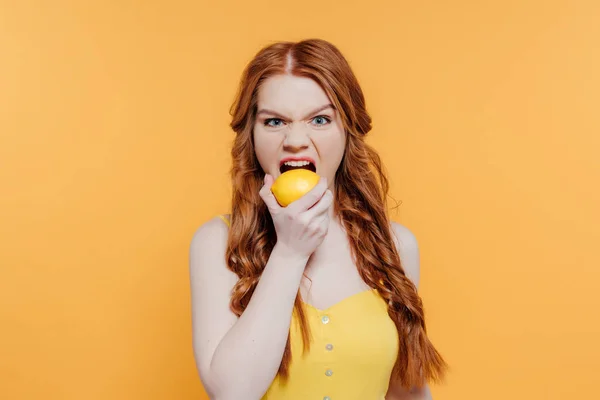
[{"x": 293, "y": 184}]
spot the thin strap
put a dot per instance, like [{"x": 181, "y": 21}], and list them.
[{"x": 225, "y": 220}]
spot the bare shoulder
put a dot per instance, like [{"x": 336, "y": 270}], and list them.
[
  {"x": 403, "y": 236},
  {"x": 207, "y": 250},
  {"x": 214, "y": 229},
  {"x": 408, "y": 248},
  {"x": 210, "y": 235}
]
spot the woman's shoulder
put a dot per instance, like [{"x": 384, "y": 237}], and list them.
[
  {"x": 408, "y": 249},
  {"x": 212, "y": 235},
  {"x": 226, "y": 218},
  {"x": 215, "y": 225},
  {"x": 207, "y": 252},
  {"x": 403, "y": 234}
]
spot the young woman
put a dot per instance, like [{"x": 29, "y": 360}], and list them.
[{"x": 316, "y": 300}]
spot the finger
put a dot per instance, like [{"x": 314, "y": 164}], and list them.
[
  {"x": 311, "y": 198},
  {"x": 322, "y": 206},
  {"x": 267, "y": 196},
  {"x": 320, "y": 225}
]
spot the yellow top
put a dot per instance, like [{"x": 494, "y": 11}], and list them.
[{"x": 353, "y": 350}]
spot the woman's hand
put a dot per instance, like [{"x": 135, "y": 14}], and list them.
[{"x": 302, "y": 225}]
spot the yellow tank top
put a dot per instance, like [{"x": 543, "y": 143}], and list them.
[{"x": 352, "y": 352}]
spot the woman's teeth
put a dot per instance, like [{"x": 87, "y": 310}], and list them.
[{"x": 296, "y": 163}]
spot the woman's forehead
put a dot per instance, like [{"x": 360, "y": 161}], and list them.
[{"x": 291, "y": 95}]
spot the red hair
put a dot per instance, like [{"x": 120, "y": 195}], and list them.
[{"x": 361, "y": 191}]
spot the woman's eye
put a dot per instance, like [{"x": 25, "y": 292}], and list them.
[
  {"x": 274, "y": 122},
  {"x": 321, "y": 120}
]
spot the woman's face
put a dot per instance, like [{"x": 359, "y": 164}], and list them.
[{"x": 297, "y": 126}]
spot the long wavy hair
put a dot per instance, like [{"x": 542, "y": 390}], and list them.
[{"x": 361, "y": 189}]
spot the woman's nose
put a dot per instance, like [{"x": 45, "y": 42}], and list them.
[{"x": 296, "y": 137}]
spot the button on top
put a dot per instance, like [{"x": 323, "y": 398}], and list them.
[
  {"x": 325, "y": 319},
  {"x": 329, "y": 372},
  {"x": 329, "y": 347},
  {"x": 326, "y": 398}
]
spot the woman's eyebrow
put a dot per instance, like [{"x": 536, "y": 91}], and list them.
[{"x": 276, "y": 114}]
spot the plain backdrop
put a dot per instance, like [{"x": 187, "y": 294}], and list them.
[{"x": 114, "y": 148}]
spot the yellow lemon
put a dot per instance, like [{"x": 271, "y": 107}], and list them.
[{"x": 293, "y": 184}]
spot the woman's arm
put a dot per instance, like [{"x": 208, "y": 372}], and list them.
[{"x": 239, "y": 358}]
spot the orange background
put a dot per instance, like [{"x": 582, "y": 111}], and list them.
[{"x": 114, "y": 148}]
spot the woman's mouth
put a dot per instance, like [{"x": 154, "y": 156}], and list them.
[{"x": 297, "y": 164}]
